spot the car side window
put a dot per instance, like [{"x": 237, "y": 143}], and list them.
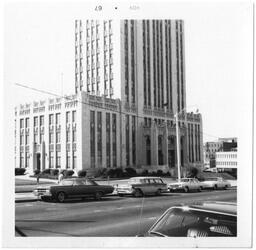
[{"x": 67, "y": 183}]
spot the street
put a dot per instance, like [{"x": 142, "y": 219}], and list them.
[{"x": 112, "y": 216}]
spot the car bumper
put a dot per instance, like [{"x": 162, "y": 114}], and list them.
[
  {"x": 125, "y": 192},
  {"x": 172, "y": 189},
  {"x": 42, "y": 194}
]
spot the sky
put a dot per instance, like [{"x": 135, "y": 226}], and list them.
[{"x": 39, "y": 48}]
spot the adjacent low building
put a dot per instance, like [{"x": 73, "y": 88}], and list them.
[{"x": 221, "y": 155}]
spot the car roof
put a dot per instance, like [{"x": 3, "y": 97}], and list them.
[{"x": 216, "y": 206}]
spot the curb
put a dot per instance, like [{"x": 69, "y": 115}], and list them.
[
  {"x": 38, "y": 199},
  {"x": 26, "y": 200}
]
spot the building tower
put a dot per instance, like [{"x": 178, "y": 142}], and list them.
[{"x": 94, "y": 57}]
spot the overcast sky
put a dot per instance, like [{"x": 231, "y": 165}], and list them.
[{"x": 39, "y": 47}]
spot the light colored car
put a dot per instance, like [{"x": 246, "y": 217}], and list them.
[
  {"x": 186, "y": 185},
  {"x": 215, "y": 183},
  {"x": 208, "y": 219},
  {"x": 140, "y": 186}
]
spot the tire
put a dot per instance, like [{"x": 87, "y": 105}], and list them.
[
  {"x": 61, "y": 196},
  {"x": 98, "y": 196},
  {"x": 186, "y": 189},
  {"x": 138, "y": 193},
  {"x": 158, "y": 192},
  {"x": 199, "y": 189},
  {"x": 215, "y": 187},
  {"x": 226, "y": 187}
]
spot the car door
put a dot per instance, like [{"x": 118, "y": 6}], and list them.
[
  {"x": 78, "y": 188},
  {"x": 194, "y": 184},
  {"x": 88, "y": 188}
]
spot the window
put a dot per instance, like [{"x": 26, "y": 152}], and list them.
[
  {"x": 68, "y": 136},
  {"x": 41, "y": 138},
  {"x": 35, "y": 138},
  {"x": 36, "y": 121},
  {"x": 27, "y": 122},
  {"x": 68, "y": 159},
  {"x": 58, "y": 118},
  {"x": 21, "y": 139},
  {"x": 41, "y": 120},
  {"x": 74, "y": 160},
  {"x": 27, "y": 139},
  {"x": 22, "y": 159},
  {"x": 58, "y": 137},
  {"x": 114, "y": 139},
  {"x": 58, "y": 158},
  {"x": 51, "y": 160},
  {"x": 108, "y": 139},
  {"x": 74, "y": 116},
  {"x": 92, "y": 137},
  {"x": 99, "y": 137},
  {"x": 68, "y": 117},
  {"x": 21, "y": 123},
  {"x": 51, "y": 137},
  {"x": 74, "y": 135},
  {"x": 50, "y": 119},
  {"x": 27, "y": 160}
]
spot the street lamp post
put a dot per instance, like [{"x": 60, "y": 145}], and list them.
[{"x": 178, "y": 144}]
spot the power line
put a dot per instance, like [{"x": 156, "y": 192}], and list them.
[{"x": 86, "y": 103}]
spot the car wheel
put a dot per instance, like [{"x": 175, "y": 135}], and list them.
[
  {"x": 215, "y": 187},
  {"x": 200, "y": 189},
  {"x": 186, "y": 190},
  {"x": 138, "y": 193},
  {"x": 61, "y": 196},
  {"x": 98, "y": 196},
  {"x": 226, "y": 187},
  {"x": 158, "y": 192}
]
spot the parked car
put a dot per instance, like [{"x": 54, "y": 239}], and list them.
[
  {"x": 73, "y": 188},
  {"x": 215, "y": 183},
  {"x": 209, "y": 219},
  {"x": 186, "y": 185},
  {"x": 139, "y": 186}
]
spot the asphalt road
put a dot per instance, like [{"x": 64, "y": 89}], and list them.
[{"x": 112, "y": 216}]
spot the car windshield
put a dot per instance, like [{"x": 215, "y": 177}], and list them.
[
  {"x": 185, "y": 180},
  {"x": 85, "y": 182},
  {"x": 181, "y": 222}
]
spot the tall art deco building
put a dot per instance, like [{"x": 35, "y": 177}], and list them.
[{"x": 129, "y": 84}]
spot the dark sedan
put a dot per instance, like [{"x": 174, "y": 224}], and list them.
[{"x": 73, "y": 188}]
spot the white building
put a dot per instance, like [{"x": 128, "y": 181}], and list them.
[
  {"x": 120, "y": 116},
  {"x": 226, "y": 160}
]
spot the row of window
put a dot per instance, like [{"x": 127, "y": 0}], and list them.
[
  {"x": 226, "y": 163},
  {"x": 194, "y": 138},
  {"x": 25, "y": 159},
  {"x": 40, "y": 138},
  {"x": 51, "y": 118},
  {"x": 96, "y": 139},
  {"x": 230, "y": 156}
]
